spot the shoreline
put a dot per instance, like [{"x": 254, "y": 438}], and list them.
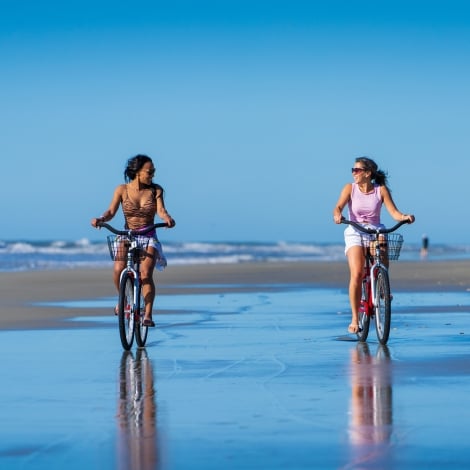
[{"x": 23, "y": 292}]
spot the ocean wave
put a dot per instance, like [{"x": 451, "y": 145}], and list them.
[{"x": 61, "y": 254}]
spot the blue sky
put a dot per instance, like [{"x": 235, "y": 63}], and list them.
[{"x": 253, "y": 112}]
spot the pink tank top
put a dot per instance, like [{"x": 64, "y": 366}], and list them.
[{"x": 365, "y": 207}]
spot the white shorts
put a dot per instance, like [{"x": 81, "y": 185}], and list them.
[{"x": 352, "y": 236}]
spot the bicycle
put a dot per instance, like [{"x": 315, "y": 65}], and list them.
[
  {"x": 380, "y": 244},
  {"x": 130, "y": 245}
]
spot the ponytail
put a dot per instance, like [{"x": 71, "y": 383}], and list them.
[{"x": 379, "y": 176}]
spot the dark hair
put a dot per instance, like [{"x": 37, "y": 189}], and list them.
[
  {"x": 379, "y": 176},
  {"x": 134, "y": 165}
]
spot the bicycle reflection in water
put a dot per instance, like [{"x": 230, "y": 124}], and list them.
[
  {"x": 371, "y": 411},
  {"x": 137, "y": 436}
]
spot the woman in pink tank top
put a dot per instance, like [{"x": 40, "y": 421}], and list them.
[{"x": 364, "y": 198}]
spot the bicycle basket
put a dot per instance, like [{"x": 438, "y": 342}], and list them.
[
  {"x": 119, "y": 245},
  {"x": 391, "y": 241},
  {"x": 394, "y": 242}
]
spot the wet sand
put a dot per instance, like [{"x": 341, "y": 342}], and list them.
[
  {"x": 20, "y": 290},
  {"x": 249, "y": 368}
]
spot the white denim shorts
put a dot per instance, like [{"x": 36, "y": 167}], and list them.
[{"x": 352, "y": 236}]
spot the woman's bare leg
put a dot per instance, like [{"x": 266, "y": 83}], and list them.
[
  {"x": 148, "y": 286},
  {"x": 118, "y": 267},
  {"x": 355, "y": 256}
]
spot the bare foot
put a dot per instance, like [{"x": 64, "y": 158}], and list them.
[{"x": 353, "y": 328}]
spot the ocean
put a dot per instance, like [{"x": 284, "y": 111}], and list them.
[{"x": 57, "y": 254}]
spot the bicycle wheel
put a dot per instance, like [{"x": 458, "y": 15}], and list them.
[
  {"x": 364, "y": 316},
  {"x": 141, "y": 331},
  {"x": 126, "y": 310},
  {"x": 382, "y": 305},
  {"x": 364, "y": 322}
]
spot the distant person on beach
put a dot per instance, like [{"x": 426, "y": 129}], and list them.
[
  {"x": 424, "y": 246},
  {"x": 364, "y": 198},
  {"x": 141, "y": 199}
]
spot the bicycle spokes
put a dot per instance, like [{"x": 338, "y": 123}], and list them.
[
  {"x": 127, "y": 311},
  {"x": 382, "y": 306}
]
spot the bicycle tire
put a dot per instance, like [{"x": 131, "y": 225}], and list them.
[
  {"x": 364, "y": 322},
  {"x": 126, "y": 310},
  {"x": 141, "y": 331},
  {"x": 382, "y": 305},
  {"x": 364, "y": 317}
]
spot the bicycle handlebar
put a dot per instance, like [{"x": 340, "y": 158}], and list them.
[
  {"x": 374, "y": 230},
  {"x": 141, "y": 231}
]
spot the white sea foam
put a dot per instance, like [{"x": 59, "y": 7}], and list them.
[{"x": 62, "y": 254}]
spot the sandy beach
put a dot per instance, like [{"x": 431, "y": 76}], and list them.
[
  {"x": 249, "y": 367},
  {"x": 23, "y": 292}
]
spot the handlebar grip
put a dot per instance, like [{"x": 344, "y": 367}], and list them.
[{"x": 110, "y": 228}]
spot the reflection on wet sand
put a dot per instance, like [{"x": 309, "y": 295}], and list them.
[
  {"x": 371, "y": 407},
  {"x": 137, "y": 437}
]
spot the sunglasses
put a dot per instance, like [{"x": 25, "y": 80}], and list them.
[
  {"x": 357, "y": 170},
  {"x": 150, "y": 172}
]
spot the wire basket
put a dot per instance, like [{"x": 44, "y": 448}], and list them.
[
  {"x": 390, "y": 242},
  {"x": 119, "y": 246}
]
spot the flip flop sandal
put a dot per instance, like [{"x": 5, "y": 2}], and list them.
[{"x": 148, "y": 322}]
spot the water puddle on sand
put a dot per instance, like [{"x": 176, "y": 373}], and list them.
[{"x": 232, "y": 380}]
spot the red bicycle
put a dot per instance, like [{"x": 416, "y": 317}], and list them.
[{"x": 380, "y": 246}]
